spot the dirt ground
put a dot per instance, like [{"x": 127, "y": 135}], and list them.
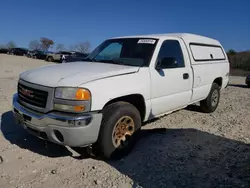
[{"x": 184, "y": 149}]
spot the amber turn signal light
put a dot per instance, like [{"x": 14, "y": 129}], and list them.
[{"x": 82, "y": 94}]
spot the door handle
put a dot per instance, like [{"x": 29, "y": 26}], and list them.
[{"x": 185, "y": 76}]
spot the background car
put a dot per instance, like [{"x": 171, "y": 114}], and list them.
[
  {"x": 56, "y": 56},
  {"x": 18, "y": 51},
  {"x": 30, "y": 53},
  {"x": 3, "y": 50},
  {"x": 75, "y": 56},
  {"x": 248, "y": 81},
  {"x": 39, "y": 54}
]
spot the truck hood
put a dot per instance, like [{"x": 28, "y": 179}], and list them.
[{"x": 74, "y": 74}]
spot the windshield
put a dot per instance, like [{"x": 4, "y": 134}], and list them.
[{"x": 125, "y": 51}]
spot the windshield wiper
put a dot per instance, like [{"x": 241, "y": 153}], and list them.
[{"x": 89, "y": 59}]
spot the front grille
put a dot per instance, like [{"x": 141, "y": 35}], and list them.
[{"x": 32, "y": 96}]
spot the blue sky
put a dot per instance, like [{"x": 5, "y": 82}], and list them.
[{"x": 69, "y": 22}]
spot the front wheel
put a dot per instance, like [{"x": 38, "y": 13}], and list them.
[
  {"x": 50, "y": 59},
  {"x": 211, "y": 102},
  {"x": 121, "y": 122}
]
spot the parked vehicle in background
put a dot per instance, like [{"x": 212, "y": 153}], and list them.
[
  {"x": 56, "y": 56},
  {"x": 18, "y": 51},
  {"x": 39, "y": 54},
  {"x": 30, "y": 53},
  {"x": 248, "y": 81},
  {"x": 4, "y": 50},
  {"x": 77, "y": 56},
  {"x": 124, "y": 82}
]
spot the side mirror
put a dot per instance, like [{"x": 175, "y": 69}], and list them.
[
  {"x": 166, "y": 62},
  {"x": 158, "y": 65}
]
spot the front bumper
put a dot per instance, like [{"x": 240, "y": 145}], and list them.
[{"x": 60, "y": 128}]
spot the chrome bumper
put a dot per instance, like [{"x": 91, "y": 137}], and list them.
[{"x": 60, "y": 128}]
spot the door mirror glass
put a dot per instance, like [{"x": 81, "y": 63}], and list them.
[{"x": 167, "y": 62}]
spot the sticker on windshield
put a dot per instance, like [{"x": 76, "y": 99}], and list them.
[{"x": 146, "y": 41}]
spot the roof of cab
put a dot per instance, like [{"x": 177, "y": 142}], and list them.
[{"x": 187, "y": 37}]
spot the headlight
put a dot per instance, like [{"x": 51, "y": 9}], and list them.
[
  {"x": 72, "y": 99},
  {"x": 72, "y": 94}
]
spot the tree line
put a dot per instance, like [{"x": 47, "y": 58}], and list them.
[
  {"x": 10, "y": 44},
  {"x": 45, "y": 44},
  {"x": 239, "y": 60}
]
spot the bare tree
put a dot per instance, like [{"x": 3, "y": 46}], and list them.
[
  {"x": 60, "y": 47},
  {"x": 83, "y": 47},
  {"x": 72, "y": 47},
  {"x": 11, "y": 44},
  {"x": 46, "y": 43},
  {"x": 35, "y": 45}
]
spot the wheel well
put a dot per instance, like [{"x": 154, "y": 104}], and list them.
[
  {"x": 135, "y": 99},
  {"x": 218, "y": 81}
]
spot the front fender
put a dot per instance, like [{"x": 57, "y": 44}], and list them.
[{"x": 104, "y": 90}]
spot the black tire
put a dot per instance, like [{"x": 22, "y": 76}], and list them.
[
  {"x": 210, "y": 104},
  {"x": 248, "y": 85},
  {"x": 50, "y": 59},
  {"x": 112, "y": 113}
]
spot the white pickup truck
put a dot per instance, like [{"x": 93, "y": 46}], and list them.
[{"x": 101, "y": 102}]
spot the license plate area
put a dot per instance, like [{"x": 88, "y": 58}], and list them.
[
  {"x": 22, "y": 118},
  {"x": 26, "y": 117}
]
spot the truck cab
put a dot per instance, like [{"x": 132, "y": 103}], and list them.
[{"x": 103, "y": 100}]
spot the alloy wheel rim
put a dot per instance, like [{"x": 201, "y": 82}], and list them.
[
  {"x": 215, "y": 97},
  {"x": 123, "y": 130}
]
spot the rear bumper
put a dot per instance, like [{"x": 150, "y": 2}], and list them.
[
  {"x": 227, "y": 84},
  {"x": 247, "y": 81},
  {"x": 59, "y": 128}
]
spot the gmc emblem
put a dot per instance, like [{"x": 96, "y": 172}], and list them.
[{"x": 26, "y": 92}]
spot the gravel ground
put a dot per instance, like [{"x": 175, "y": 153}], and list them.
[{"x": 184, "y": 149}]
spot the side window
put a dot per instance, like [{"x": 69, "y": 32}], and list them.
[{"x": 170, "y": 55}]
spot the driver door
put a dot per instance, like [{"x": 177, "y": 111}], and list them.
[{"x": 171, "y": 80}]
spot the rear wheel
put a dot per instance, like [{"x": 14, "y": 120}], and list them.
[
  {"x": 120, "y": 125},
  {"x": 211, "y": 102}
]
